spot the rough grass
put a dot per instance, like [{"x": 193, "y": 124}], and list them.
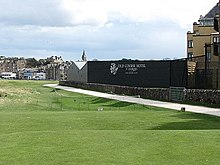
[{"x": 40, "y": 125}]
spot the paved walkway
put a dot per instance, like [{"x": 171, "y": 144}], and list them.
[{"x": 130, "y": 99}]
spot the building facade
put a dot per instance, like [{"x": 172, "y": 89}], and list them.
[
  {"x": 11, "y": 64},
  {"x": 57, "y": 71},
  {"x": 203, "y": 39},
  {"x": 203, "y": 51},
  {"x": 8, "y": 75}
]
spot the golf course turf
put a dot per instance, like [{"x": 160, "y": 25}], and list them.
[{"x": 40, "y": 125}]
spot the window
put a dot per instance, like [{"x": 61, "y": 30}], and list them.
[
  {"x": 215, "y": 39},
  {"x": 190, "y": 55},
  {"x": 206, "y": 22},
  {"x": 196, "y": 32},
  {"x": 215, "y": 49},
  {"x": 190, "y": 44},
  {"x": 209, "y": 56}
]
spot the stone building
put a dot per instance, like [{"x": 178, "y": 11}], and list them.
[
  {"x": 203, "y": 34},
  {"x": 57, "y": 68},
  {"x": 11, "y": 64},
  {"x": 52, "y": 68},
  {"x": 203, "y": 53}
]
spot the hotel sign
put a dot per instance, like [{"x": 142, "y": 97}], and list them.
[{"x": 129, "y": 69}]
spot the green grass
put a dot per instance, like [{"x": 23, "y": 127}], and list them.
[{"x": 39, "y": 125}]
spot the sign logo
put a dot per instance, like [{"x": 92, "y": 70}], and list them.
[{"x": 113, "y": 69}]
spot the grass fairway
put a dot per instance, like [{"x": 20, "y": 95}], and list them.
[{"x": 40, "y": 125}]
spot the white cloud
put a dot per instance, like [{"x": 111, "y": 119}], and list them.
[
  {"x": 32, "y": 12},
  {"x": 86, "y": 12},
  {"x": 105, "y": 28},
  {"x": 102, "y": 11}
]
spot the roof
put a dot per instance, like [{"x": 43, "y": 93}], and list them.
[
  {"x": 212, "y": 13},
  {"x": 80, "y": 64}
]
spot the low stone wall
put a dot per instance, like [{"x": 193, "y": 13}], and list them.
[
  {"x": 203, "y": 95},
  {"x": 195, "y": 95},
  {"x": 150, "y": 93}
]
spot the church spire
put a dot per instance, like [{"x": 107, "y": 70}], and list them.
[{"x": 84, "y": 56}]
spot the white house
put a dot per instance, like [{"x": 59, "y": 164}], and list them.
[
  {"x": 8, "y": 75},
  {"x": 40, "y": 76}
]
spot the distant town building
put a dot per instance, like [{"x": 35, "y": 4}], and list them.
[
  {"x": 40, "y": 76},
  {"x": 8, "y": 75},
  {"x": 31, "y": 74},
  {"x": 11, "y": 64},
  {"x": 53, "y": 71},
  {"x": 55, "y": 59},
  {"x": 57, "y": 69},
  {"x": 52, "y": 68}
]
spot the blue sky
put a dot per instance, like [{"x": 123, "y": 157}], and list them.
[{"x": 106, "y": 29}]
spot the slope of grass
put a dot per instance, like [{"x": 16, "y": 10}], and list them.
[{"x": 40, "y": 125}]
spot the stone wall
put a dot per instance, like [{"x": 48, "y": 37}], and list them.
[
  {"x": 150, "y": 93},
  {"x": 203, "y": 95},
  {"x": 195, "y": 95}
]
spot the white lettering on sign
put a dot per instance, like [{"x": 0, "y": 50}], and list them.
[{"x": 128, "y": 68}]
